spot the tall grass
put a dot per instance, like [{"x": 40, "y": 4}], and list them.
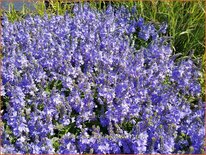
[{"x": 186, "y": 21}]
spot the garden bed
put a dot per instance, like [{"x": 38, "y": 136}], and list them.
[{"x": 102, "y": 79}]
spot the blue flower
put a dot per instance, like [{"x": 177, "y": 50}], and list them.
[{"x": 71, "y": 83}]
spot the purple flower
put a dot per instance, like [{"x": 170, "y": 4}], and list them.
[{"x": 77, "y": 84}]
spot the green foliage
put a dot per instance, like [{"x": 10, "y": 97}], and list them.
[
  {"x": 183, "y": 137},
  {"x": 11, "y": 137},
  {"x": 54, "y": 84},
  {"x": 71, "y": 128},
  {"x": 167, "y": 81},
  {"x": 127, "y": 126},
  {"x": 55, "y": 142},
  {"x": 12, "y": 13},
  {"x": 40, "y": 106},
  {"x": 186, "y": 21}
]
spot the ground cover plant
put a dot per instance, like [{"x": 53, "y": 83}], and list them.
[{"x": 94, "y": 81}]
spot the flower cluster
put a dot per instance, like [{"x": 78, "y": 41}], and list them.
[{"x": 97, "y": 82}]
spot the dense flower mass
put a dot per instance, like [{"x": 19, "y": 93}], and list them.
[{"x": 97, "y": 82}]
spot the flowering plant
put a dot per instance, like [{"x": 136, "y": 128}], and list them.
[{"x": 97, "y": 82}]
